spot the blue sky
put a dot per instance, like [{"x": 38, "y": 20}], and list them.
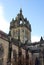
[{"x": 32, "y": 9}]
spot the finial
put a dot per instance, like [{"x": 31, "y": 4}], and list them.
[
  {"x": 20, "y": 10},
  {"x": 41, "y": 39}
]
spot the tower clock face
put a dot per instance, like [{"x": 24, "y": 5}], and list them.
[{"x": 1, "y": 51}]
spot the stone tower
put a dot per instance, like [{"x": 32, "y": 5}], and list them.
[{"x": 20, "y": 27}]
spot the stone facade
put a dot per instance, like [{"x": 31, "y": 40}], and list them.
[
  {"x": 16, "y": 47},
  {"x": 21, "y": 26},
  {"x": 3, "y": 44}
]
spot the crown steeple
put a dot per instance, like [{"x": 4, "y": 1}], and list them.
[{"x": 22, "y": 24}]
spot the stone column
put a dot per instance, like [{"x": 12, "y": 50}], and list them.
[
  {"x": 32, "y": 59},
  {"x": 43, "y": 56},
  {"x": 19, "y": 56},
  {"x": 27, "y": 57},
  {"x": 10, "y": 50}
]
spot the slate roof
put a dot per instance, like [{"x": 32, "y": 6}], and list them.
[
  {"x": 29, "y": 47},
  {"x": 3, "y": 35}
]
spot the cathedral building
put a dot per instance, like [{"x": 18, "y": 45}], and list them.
[
  {"x": 16, "y": 47},
  {"x": 20, "y": 26}
]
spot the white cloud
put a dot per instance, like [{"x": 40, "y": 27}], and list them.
[
  {"x": 4, "y": 25},
  {"x": 35, "y": 38}
]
